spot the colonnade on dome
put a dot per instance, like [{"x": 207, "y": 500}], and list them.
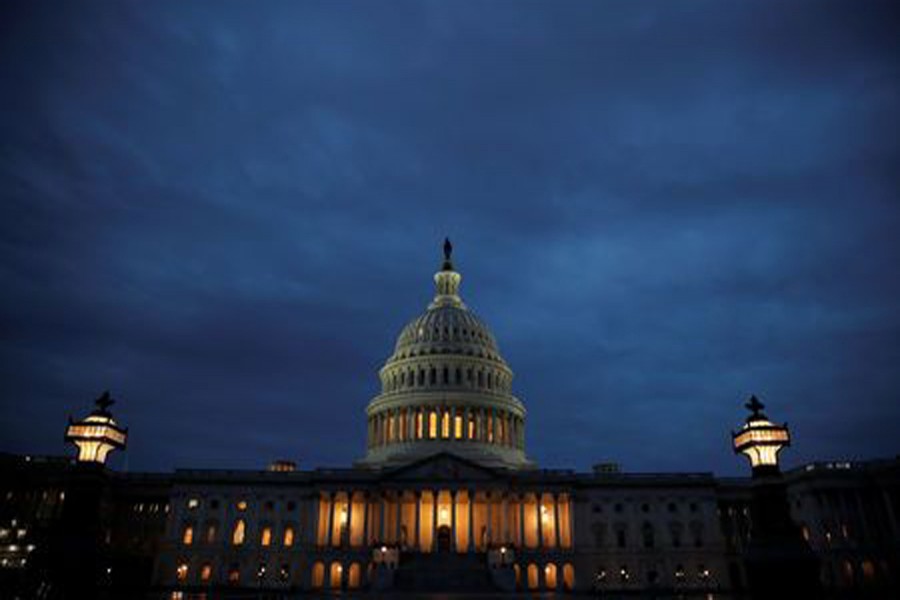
[
  {"x": 454, "y": 520},
  {"x": 478, "y": 424}
]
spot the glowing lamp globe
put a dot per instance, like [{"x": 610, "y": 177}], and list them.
[
  {"x": 97, "y": 434},
  {"x": 760, "y": 439}
]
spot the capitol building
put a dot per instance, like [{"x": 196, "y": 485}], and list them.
[{"x": 445, "y": 499}]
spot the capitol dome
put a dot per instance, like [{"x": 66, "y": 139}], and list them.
[{"x": 446, "y": 388}]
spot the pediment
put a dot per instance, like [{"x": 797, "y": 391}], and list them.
[{"x": 442, "y": 467}]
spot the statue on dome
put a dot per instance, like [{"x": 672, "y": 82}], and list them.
[{"x": 448, "y": 249}]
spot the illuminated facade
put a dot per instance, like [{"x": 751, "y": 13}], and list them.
[{"x": 443, "y": 499}]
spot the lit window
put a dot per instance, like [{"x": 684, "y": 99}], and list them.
[
  {"x": 242, "y": 505},
  {"x": 288, "y": 536},
  {"x": 432, "y": 424},
  {"x": 181, "y": 572},
  {"x": 445, "y": 425},
  {"x": 187, "y": 538},
  {"x": 266, "y": 537},
  {"x": 234, "y": 574},
  {"x": 458, "y": 427},
  {"x": 210, "y": 534},
  {"x": 237, "y": 537},
  {"x": 206, "y": 572},
  {"x": 193, "y": 503}
]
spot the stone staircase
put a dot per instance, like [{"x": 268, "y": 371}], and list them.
[{"x": 443, "y": 572}]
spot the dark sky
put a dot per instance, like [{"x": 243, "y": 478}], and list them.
[{"x": 225, "y": 213}]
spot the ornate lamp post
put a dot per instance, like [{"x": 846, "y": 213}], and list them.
[
  {"x": 778, "y": 562},
  {"x": 97, "y": 434},
  {"x": 760, "y": 440}
]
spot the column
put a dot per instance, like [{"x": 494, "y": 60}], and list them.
[
  {"x": 314, "y": 526},
  {"x": 556, "y": 519},
  {"x": 488, "y": 502},
  {"x": 366, "y": 538},
  {"x": 539, "y": 521},
  {"x": 522, "y": 520},
  {"x": 434, "y": 516},
  {"x": 453, "y": 520},
  {"x": 417, "y": 527},
  {"x": 471, "y": 494},
  {"x": 382, "y": 526},
  {"x": 399, "y": 515},
  {"x": 330, "y": 532},
  {"x": 466, "y": 414},
  {"x": 349, "y": 528},
  {"x": 504, "y": 519}
]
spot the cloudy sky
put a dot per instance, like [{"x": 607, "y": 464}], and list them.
[{"x": 225, "y": 213}]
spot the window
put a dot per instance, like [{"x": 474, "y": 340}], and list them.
[
  {"x": 181, "y": 572},
  {"x": 187, "y": 536},
  {"x": 242, "y": 505},
  {"x": 647, "y": 535},
  {"x": 265, "y": 538},
  {"x": 445, "y": 425},
  {"x": 210, "y": 534},
  {"x": 234, "y": 574},
  {"x": 288, "y": 539},
  {"x": 291, "y": 505},
  {"x": 193, "y": 503},
  {"x": 432, "y": 424},
  {"x": 269, "y": 505},
  {"x": 214, "y": 504},
  {"x": 620, "y": 537},
  {"x": 205, "y": 572},
  {"x": 237, "y": 536},
  {"x": 458, "y": 427}
]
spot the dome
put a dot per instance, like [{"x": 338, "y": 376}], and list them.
[{"x": 446, "y": 388}]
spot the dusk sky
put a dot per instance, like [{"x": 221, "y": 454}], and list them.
[{"x": 225, "y": 212}]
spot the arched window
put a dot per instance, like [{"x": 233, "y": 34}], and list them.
[
  {"x": 532, "y": 576},
  {"x": 288, "y": 539},
  {"x": 234, "y": 574},
  {"x": 237, "y": 536},
  {"x": 187, "y": 536},
  {"x": 318, "y": 576},
  {"x": 336, "y": 573},
  {"x": 432, "y": 376},
  {"x": 458, "y": 375},
  {"x": 353, "y": 576},
  {"x": 446, "y": 376},
  {"x": 265, "y": 538},
  {"x": 550, "y": 576},
  {"x": 445, "y": 424},
  {"x": 181, "y": 572},
  {"x": 205, "y": 572},
  {"x": 421, "y": 377},
  {"x": 432, "y": 424},
  {"x": 568, "y": 577}
]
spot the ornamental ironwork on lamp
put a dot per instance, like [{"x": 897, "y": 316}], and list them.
[
  {"x": 97, "y": 434},
  {"x": 760, "y": 439}
]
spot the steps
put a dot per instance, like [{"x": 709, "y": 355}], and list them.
[{"x": 443, "y": 572}]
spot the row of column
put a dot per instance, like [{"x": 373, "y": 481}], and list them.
[
  {"x": 445, "y": 520},
  {"x": 486, "y": 425}
]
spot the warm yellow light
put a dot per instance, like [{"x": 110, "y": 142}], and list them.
[
  {"x": 760, "y": 440},
  {"x": 187, "y": 537},
  {"x": 181, "y": 572},
  {"x": 432, "y": 424},
  {"x": 242, "y": 505},
  {"x": 288, "y": 536},
  {"x": 458, "y": 427},
  {"x": 237, "y": 537},
  {"x": 205, "y": 572},
  {"x": 266, "y": 538}
]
